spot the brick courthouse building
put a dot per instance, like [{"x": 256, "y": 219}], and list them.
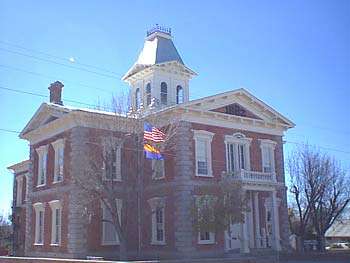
[{"x": 217, "y": 135}]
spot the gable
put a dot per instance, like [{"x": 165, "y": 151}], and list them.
[
  {"x": 44, "y": 115},
  {"x": 247, "y": 107},
  {"x": 237, "y": 110}
]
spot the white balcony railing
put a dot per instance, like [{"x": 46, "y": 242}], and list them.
[{"x": 251, "y": 176}]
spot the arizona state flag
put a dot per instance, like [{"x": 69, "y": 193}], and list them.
[{"x": 152, "y": 152}]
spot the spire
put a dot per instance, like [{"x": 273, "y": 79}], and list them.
[{"x": 158, "y": 48}]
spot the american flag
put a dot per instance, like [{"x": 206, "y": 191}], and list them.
[{"x": 153, "y": 134}]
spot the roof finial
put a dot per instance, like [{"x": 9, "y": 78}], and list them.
[{"x": 158, "y": 28}]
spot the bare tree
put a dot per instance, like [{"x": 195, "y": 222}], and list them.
[
  {"x": 5, "y": 233},
  {"x": 219, "y": 205},
  {"x": 333, "y": 199},
  {"x": 318, "y": 190},
  {"x": 117, "y": 133}
]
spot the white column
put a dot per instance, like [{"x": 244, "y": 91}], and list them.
[
  {"x": 257, "y": 220},
  {"x": 244, "y": 235},
  {"x": 251, "y": 221},
  {"x": 276, "y": 224}
]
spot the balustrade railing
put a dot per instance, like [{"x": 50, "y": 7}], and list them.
[{"x": 251, "y": 176}]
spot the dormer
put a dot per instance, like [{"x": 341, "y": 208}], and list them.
[{"x": 159, "y": 77}]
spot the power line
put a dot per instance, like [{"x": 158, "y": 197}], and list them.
[
  {"x": 83, "y": 103},
  {"x": 52, "y": 77},
  {"x": 57, "y": 57},
  {"x": 58, "y": 63},
  {"x": 289, "y": 142},
  {"x": 45, "y": 96}
]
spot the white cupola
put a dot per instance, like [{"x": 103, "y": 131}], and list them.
[{"x": 159, "y": 77}]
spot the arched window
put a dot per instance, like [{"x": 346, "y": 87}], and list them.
[
  {"x": 137, "y": 98},
  {"x": 148, "y": 94},
  {"x": 179, "y": 94},
  {"x": 163, "y": 93}
]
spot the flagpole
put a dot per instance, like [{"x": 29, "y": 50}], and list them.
[{"x": 139, "y": 191}]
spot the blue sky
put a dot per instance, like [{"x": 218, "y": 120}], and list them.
[{"x": 294, "y": 55}]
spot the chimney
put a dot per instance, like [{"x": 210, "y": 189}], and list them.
[{"x": 55, "y": 92}]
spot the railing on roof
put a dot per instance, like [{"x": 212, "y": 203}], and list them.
[{"x": 158, "y": 28}]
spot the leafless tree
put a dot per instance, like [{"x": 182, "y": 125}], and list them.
[
  {"x": 333, "y": 199},
  {"x": 318, "y": 190},
  {"x": 125, "y": 130},
  {"x": 219, "y": 205}
]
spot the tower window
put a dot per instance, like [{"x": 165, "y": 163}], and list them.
[
  {"x": 137, "y": 98},
  {"x": 163, "y": 93},
  {"x": 179, "y": 94},
  {"x": 148, "y": 94}
]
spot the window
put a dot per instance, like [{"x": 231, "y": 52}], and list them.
[
  {"x": 42, "y": 162},
  {"x": 19, "y": 184},
  {"x": 157, "y": 169},
  {"x": 109, "y": 233},
  {"x": 56, "y": 220},
  {"x": 203, "y": 153},
  {"x": 148, "y": 94},
  {"x": 160, "y": 224},
  {"x": 158, "y": 220},
  {"x": 179, "y": 94},
  {"x": 163, "y": 93},
  {"x": 137, "y": 99},
  {"x": 267, "y": 155},
  {"x": 59, "y": 160},
  {"x": 112, "y": 163},
  {"x": 39, "y": 223},
  {"x": 237, "y": 152},
  {"x": 204, "y": 237}
]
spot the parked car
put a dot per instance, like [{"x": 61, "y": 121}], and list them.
[{"x": 339, "y": 246}]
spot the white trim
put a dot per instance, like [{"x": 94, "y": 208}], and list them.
[
  {"x": 238, "y": 139},
  {"x": 39, "y": 207},
  {"x": 270, "y": 146},
  {"x": 157, "y": 203},
  {"x": 116, "y": 145},
  {"x": 162, "y": 167},
  {"x": 42, "y": 153},
  {"x": 54, "y": 205},
  {"x": 19, "y": 190},
  {"x": 58, "y": 145},
  {"x": 209, "y": 241},
  {"x": 207, "y": 137},
  {"x": 119, "y": 204},
  {"x": 231, "y": 124}
]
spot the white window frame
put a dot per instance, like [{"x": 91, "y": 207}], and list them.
[
  {"x": 39, "y": 207},
  {"x": 117, "y": 160},
  {"x": 56, "y": 205},
  {"x": 27, "y": 187},
  {"x": 211, "y": 239},
  {"x": 42, "y": 171},
  {"x": 157, "y": 203},
  {"x": 207, "y": 137},
  {"x": 162, "y": 169},
  {"x": 19, "y": 190},
  {"x": 270, "y": 146},
  {"x": 104, "y": 210},
  {"x": 238, "y": 139},
  {"x": 58, "y": 170}
]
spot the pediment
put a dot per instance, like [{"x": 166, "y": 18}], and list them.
[
  {"x": 237, "y": 110},
  {"x": 239, "y": 103},
  {"x": 44, "y": 115}
]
